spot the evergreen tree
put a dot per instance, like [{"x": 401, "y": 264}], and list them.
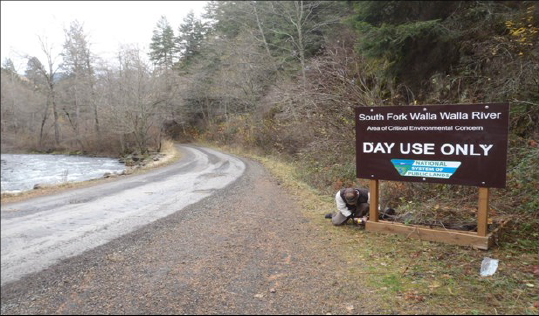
[
  {"x": 190, "y": 36},
  {"x": 210, "y": 15},
  {"x": 406, "y": 40},
  {"x": 162, "y": 47},
  {"x": 8, "y": 65},
  {"x": 78, "y": 66},
  {"x": 76, "y": 53},
  {"x": 34, "y": 72}
]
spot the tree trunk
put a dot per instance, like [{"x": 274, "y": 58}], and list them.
[
  {"x": 301, "y": 46},
  {"x": 56, "y": 125},
  {"x": 261, "y": 30},
  {"x": 122, "y": 145},
  {"x": 74, "y": 126},
  {"x": 92, "y": 95},
  {"x": 45, "y": 116}
]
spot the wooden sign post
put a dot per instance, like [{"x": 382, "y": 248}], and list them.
[
  {"x": 374, "y": 190},
  {"x": 480, "y": 239},
  {"x": 451, "y": 144},
  {"x": 482, "y": 214}
]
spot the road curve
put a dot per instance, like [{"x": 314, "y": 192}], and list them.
[{"x": 40, "y": 232}]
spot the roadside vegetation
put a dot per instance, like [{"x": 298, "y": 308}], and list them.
[
  {"x": 410, "y": 276},
  {"x": 437, "y": 53},
  {"x": 391, "y": 53}
]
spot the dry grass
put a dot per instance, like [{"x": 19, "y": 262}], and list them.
[
  {"x": 410, "y": 276},
  {"x": 172, "y": 154}
]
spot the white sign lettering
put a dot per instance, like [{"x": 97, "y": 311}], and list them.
[{"x": 428, "y": 149}]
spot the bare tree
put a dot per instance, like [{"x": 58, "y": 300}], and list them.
[
  {"x": 20, "y": 105},
  {"x": 134, "y": 106},
  {"x": 299, "y": 23},
  {"x": 79, "y": 73},
  {"x": 46, "y": 75},
  {"x": 245, "y": 74}
]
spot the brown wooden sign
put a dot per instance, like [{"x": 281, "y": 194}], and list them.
[{"x": 455, "y": 144}]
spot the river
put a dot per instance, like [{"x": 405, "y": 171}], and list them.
[{"x": 22, "y": 172}]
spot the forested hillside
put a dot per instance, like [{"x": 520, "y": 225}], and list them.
[{"x": 282, "y": 78}]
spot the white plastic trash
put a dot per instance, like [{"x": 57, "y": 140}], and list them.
[{"x": 488, "y": 266}]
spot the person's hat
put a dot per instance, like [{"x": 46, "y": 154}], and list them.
[{"x": 351, "y": 195}]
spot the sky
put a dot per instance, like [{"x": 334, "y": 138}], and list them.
[{"x": 108, "y": 24}]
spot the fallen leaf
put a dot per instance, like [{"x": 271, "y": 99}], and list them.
[
  {"x": 536, "y": 304},
  {"x": 536, "y": 270},
  {"x": 413, "y": 297},
  {"x": 530, "y": 285},
  {"x": 533, "y": 143},
  {"x": 350, "y": 307},
  {"x": 259, "y": 295}
]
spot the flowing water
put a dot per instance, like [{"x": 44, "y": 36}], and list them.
[{"x": 22, "y": 172}]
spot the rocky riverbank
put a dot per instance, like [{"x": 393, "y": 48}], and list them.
[{"x": 135, "y": 164}]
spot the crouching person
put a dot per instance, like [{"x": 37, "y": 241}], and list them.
[{"x": 351, "y": 203}]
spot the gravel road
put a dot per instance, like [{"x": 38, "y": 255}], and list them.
[
  {"x": 39, "y": 232},
  {"x": 245, "y": 249}
]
